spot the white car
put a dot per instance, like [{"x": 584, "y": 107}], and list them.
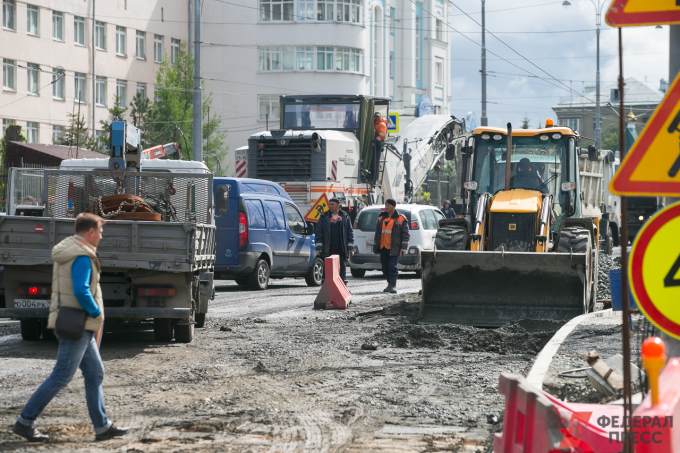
[{"x": 423, "y": 221}]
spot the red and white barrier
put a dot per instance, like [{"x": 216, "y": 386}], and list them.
[{"x": 333, "y": 292}]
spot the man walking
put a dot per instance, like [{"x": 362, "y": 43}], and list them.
[
  {"x": 447, "y": 209},
  {"x": 335, "y": 235},
  {"x": 391, "y": 241},
  {"x": 75, "y": 284}
]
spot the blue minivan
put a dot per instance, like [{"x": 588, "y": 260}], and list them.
[{"x": 261, "y": 234}]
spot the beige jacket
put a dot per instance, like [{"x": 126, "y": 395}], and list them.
[{"x": 63, "y": 255}]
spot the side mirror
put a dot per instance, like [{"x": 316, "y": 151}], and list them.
[
  {"x": 450, "y": 151},
  {"x": 310, "y": 229}
]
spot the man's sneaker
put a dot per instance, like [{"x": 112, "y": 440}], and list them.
[
  {"x": 113, "y": 431},
  {"x": 387, "y": 289},
  {"x": 29, "y": 433},
  {"x": 392, "y": 290}
]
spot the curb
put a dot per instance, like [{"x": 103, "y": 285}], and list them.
[{"x": 544, "y": 358}]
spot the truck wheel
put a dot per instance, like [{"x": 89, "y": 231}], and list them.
[
  {"x": 184, "y": 333},
  {"x": 315, "y": 275},
  {"x": 199, "y": 318},
  {"x": 357, "y": 273},
  {"x": 31, "y": 329},
  {"x": 451, "y": 237},
  {"x": 259, "y": 279},
  {"x": 162, "y": 329}
]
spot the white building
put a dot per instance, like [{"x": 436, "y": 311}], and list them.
[
  {"x": 254, "y": 51},
  {"x": 48, "y": 50}
]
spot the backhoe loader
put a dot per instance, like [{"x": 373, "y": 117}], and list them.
[{"x": 522, "y": 249}]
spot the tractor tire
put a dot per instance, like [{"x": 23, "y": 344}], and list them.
[
  {"x": 31, "y": 329},
  {"x": 259, "y": 279},
  {"x": 315, "y": 275},
  {"x": 184, "y": 333},
  {"x": 162, "y": 329},
  {"x": 451, "y": 237},
  {"x": 574, "y": 240},
  {"x": 357, "y": 273}
]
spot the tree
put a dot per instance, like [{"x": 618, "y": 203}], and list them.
[
  {"x": 76, "y": 133},
  {"x": 140, "y": 112},
  {"x": 170, "y": 117}
]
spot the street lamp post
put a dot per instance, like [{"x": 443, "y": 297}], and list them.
[
  {"x": 484, "y": 120},
  {"x": 598, "y": 5}
]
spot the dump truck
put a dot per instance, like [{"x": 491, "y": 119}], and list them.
[
  {"x": 158, "y": 250},
  {"x": 523, "y": 248}
]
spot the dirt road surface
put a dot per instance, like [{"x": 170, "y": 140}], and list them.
[{"x": 268, "y": 373}]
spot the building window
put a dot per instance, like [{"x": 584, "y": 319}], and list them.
[
  {"x": 439, "y": 30},
  {"x": 158, "y": 48},
  {"x": 9, "y": 14},
  {"x": 439, "y": 71},
  {"x": 573, "y": 123},
  {"x": 305, "y": 10},
  {"x": 101, "y": 136},
  {"x": 57, "y": 26},
  {"x": 349, "y": 11},
  {"x": 325, "y": 10},
  {"x": 324, "y": 58},
  {"x": 33, "y": 72},
  {"x": 140, "y": 51},
  {"x": 121, "y": 38},
  {"x": 9, "y": 74},
  {"x": 80, "y": 87},
  {"x": 100, "y": 91},
  {"x": 33, "y": 20},
  {"x": 342, "y": 58},
  {"x": 141, "y": 89},
  {"x": 121, "y": 92},
  {"x": 393, "y": 20},
  {"x": 276, "y": 10},
  {"x": 357, "y": 61},
  {"x": 100, "y": 35},
  {"x": 268, "y": 104},
  {"x": 270, "y": 59},
  {"x": 58, "y": 83},
  {"x": 304, "y": 58},
  {"x": 392, "y": 65},
  {"x": 58, "y": 134},
  {"x": 79, "y": 30},
  {"x": 174, "y": 50},
  {"x": 32, "y": 132}
]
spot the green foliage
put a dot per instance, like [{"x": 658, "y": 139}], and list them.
[
  {"x": 610, "y": 137},
  {"x": 117, "y": 112},
  {"x": 140, "y": 112},
  {"x": 76, "y": 133}
]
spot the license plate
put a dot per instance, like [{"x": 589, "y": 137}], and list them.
[{"x": 31, "y": 303}]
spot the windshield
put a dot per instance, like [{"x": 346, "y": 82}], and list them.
[
  {"x": 537, "y": 164},
  {"x": 321, "y": 116}
]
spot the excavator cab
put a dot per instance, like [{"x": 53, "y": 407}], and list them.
[{"x": 522, "y": 250}]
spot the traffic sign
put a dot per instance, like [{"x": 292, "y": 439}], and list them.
[
  {"x": 393, "y": 122},
  {"x": 627, "y": 13},
  {"x": 319, "y": 208},
  {"x": 654, "y": 270},
  {"x": 652, "y": 166}
]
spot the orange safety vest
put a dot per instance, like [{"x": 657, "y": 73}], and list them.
[
  {"x": 386, "y": 234},
  {"x": 380, "y": 126}
]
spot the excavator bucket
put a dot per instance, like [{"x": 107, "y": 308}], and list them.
[{"x": 496, "y": 288}]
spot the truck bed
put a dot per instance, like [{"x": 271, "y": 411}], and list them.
[{"x": 159, "y": 246}]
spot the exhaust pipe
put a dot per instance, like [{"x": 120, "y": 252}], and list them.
[{"x": 508, "y": 159}]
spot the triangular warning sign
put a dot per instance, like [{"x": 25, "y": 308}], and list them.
[
  {"x": 627, "y": 13},
  {"x": 652, "y": 166}
]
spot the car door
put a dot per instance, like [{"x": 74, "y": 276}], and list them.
[
  {"x": 299, "y": 249},
  {"x": 226, "y": 223},
  {"x": 278, "y": 235},
  {"x": 430, "y": 219}
]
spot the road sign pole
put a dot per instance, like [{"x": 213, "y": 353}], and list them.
[{"x": 627, "y": 391}]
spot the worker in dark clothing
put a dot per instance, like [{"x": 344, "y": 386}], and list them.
[
  {"x": 527, "y": 177},
  {"x": 335, "y": 235},
  {"x": 447, "y": 209},
  {"x": 391, "y": 241}
]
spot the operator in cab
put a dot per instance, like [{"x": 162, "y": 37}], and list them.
[{"x": 527, "y": 177}]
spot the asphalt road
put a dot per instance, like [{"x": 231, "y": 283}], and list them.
[{"x": 291, "y": 297}]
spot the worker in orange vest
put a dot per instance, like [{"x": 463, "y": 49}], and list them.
[
  {"x": 391, "y": 242},
  {"x": 380, "y": 126}
]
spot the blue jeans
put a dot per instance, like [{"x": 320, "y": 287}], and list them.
[
  {"x": 72, "y": 354},
  {"x": 389, "y": 267}
]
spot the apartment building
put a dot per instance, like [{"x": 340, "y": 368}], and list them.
[{"x": 70, "y": 56}]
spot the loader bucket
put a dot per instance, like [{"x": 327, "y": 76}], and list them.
[{"x": 496, "y": 288}]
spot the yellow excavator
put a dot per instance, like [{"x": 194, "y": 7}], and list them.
[{"x": 523, "y": 248}]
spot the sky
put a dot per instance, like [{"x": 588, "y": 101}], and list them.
[{"x": 565, "y": 49}]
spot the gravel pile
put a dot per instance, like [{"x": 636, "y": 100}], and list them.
[{"x": 606, "y": 263}]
